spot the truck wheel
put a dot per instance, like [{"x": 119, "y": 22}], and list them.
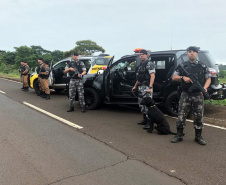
[
  {"x": 36, "y": 87},
  {"x": 172, "y": 104},
  {"x": 92, "y": 98}
]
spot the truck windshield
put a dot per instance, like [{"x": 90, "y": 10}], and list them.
[
  {"x": 210, "y": 60},
  {"x": 102, "y": 61}
]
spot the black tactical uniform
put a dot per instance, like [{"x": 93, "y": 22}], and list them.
[{"x": 192, "y": 99}]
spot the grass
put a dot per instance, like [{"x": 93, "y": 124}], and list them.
[
  {"x": 10, "y": 75},
  {"x": 222, "y": 80}
]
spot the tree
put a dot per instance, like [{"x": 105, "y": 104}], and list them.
[
  {"x": 39, "y": 50},
  {"x": 85, "y": 47},
  {"x": 7, "y": 57},
  {"x": 57, "y": 55}
]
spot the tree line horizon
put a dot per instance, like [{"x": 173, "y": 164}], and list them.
[{"x": 10, "y": 60}]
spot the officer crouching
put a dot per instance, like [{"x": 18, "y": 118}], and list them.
[
  {"x": 145, "y": 80},
  {"x": 44, "y": 75},
  {"x": 76, "y": 70},
  {"x": 193, "y": 99}
]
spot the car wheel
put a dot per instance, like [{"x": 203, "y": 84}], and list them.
[
  {"x": 172, "y": 104},
  {"x": 92, "y": 98},
  {"x": 36, "y": 87}
]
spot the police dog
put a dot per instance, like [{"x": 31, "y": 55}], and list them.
[{"x": 156, "y": 116}]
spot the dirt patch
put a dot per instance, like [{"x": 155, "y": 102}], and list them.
[{"x": 215, "y": 114}]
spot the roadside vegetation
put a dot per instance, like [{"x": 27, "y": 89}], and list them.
[{"x": 10, "y": 60}]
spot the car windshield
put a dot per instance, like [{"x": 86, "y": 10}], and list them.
[{"x": 102, "y": 61}]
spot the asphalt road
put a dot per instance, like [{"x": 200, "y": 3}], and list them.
[{"x": 110, "y": 148}]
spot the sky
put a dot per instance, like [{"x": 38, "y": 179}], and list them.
[{"x": 118, "y": 26}]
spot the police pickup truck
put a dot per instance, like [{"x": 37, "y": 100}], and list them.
[
  {"x": 114, "y": 84},
  {"x": 56, "y": 80}
]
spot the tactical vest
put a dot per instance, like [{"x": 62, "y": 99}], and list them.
[
  {"x": 42, "y": 68},
  {"x": 196, "y": 69},
  {"x": 142, "y": 73},
  {"x": 25, "y": 69},
  {"x": 22, "y": 69},
  {"x": 38, "y": 69},
  {"x": 77, "y": 67}
]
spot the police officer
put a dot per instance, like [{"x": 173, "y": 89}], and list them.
[
  {"x": 24, "y": 73},
  {"x": 22, "y": 69},
  {"x": 76, "y": 70},
  {"x": 194, "y": 99},
  {"x": 145, "y": 80},
  {"x": 44, "y": 73},
  {"x": 40, "y": 62}
]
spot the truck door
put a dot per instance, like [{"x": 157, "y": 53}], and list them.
[
  {"x": 51, "y": 74},
  {"x": 120, "y": 78},
  {"x": 107, "y": 83}
]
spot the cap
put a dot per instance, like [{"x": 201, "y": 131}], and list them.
[
  {"x": 143, "y": 51},
  {"x": 193, "y": 48},
  {"x": 40, "y": 58},
  {"x": 75, "y": 54}
]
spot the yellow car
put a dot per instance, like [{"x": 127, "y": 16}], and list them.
[{"x": 56, "y": 81}]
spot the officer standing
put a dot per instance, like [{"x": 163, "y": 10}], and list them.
[
  {"x": 44, "y": 73},
  {"x": 194, "y": 99},
  {"x": 22, "y": 69},
  {"x": 24, "y": 74},
  {"x": 145, "y": 80},
  {"x": 76, "y": 69},
  {"x": 41, "y": 89}
]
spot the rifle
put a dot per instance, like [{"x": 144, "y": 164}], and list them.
[{"x": 195, "y": 83}]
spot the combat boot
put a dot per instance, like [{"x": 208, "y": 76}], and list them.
[
  {"x": 70, "y": 109},
  {"x": 39, "y": 93},
  {"x": 144, "y": 121},
  {"x": 147, "y": 126},
  {"x": 83, "y": 109},
  {"x": 179, "y": 136},
  {"x": 47, "y": 96},
  {"x": 25, "y": 89},
  {"x": 44, "y": 95},
  {"x": 198, "y": 137}
]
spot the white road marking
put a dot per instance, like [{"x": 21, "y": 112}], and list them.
[
  {"x": 53, "y": 116},
  {"x": 206, "y": 124},
  {"x": 11, "y": 80},
  {"x": 2, "y": 92}
]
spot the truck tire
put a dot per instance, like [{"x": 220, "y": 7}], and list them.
[
  {"x": 92, "y": 98},
  {"x": 172, "y": 104},
  {"x": 36, "y": 86}
]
